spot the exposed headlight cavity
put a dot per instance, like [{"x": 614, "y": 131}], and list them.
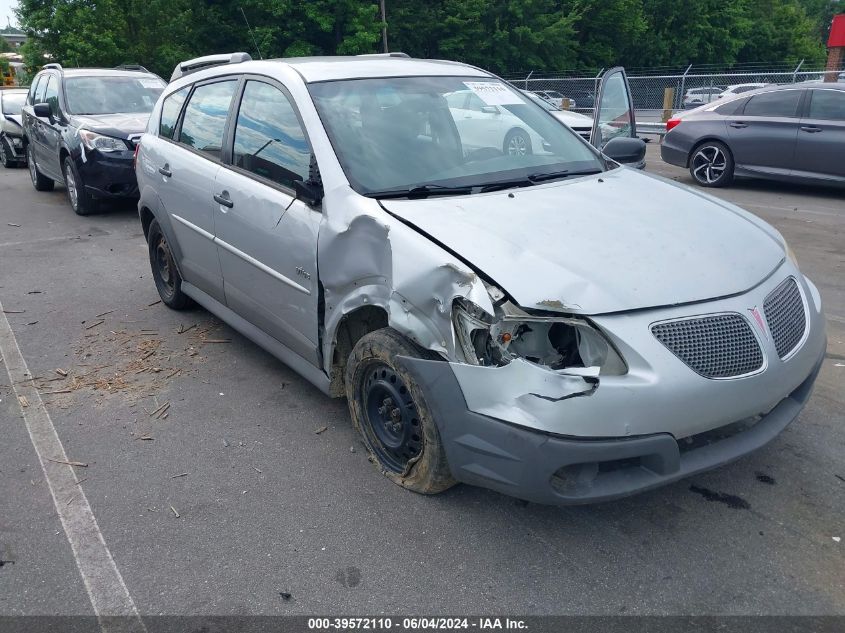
[{"x": 559, "y": 343}]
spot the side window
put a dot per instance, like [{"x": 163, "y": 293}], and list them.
[
  {"x": 170, "y": 110},
  {"x": 269, "y": 140},
  {"x": 30, "y": 99},
  {"x": 475, "y": 103},
  {"x": 42, "y": 86},
  {"x": 205, "y": 117},
  {"x": 828, "y": 105},
  {"x": 780, "y": 103},
  {"x": 51, "y": 95}
]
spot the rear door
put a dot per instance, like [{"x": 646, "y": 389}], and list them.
[
  {"x": 266, "y": 238},
  {"x": 821, "y": 135},
  {"x": 763, "y": 135},
  {"x": 187, "y": 166},
  {"x": 52, "y": 131},
  {"x": 614, "y": 113}
]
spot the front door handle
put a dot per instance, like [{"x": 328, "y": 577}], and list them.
[
  {"x": 165, "y": 171},
  {"x": 223, "y": 198},
  {"x": 739, "y": 125},
  {"x": 812, "y": 129}
]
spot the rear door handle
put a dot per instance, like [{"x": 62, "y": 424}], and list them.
[
  {"x": 165, "y": 171},
  {"x": 223, "y": 198},
  {"x": 812, "y": 129},
  {"x": 739, "y": 125}
]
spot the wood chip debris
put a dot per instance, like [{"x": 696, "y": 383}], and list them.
[
  {"x": 150, "y": 305},
  {"x": 174, "y": 511},
  {"x": 95, "y": 324},
  {"x": 146, "y": 436},
  {"x": 162, "y": 409},
  {"x": 102, "y": 314},
  {"x": 13, "y": 311},
  {"x": 322, "y": 429},
  {"x": 61, "y": 372},
  {"x": 13, "y": 224},
  {"x": 182, "y": 329},
  {"x": 179, "y": 475},
  {"x": 23, "y": 401},
  {"x": 68, "y": 463},
  {"x": 216, "y": 340}
]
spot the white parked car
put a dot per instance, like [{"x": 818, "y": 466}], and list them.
[
  {"x": 695, "y": 97},
  {"x": 581, "y": 123},
  {"x": 555, "y": 98},
  {"x": 740, "y": 88}
]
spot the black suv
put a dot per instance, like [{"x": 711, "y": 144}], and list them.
[{"x": 80, "y": 128}]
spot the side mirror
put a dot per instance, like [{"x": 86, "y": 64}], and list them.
[
  {"x": 625, "y": 150},
  {"x": 488, "y": 109},
  {"x": 308, "y": 192},
  {"x": 43, "y": 111}
]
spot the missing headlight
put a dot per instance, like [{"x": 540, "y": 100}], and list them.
[{"x": 559, "y": 343}]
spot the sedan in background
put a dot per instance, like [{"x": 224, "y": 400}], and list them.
[
  {"x": 794, "y": 132},
  {"x": 695, "y": 97},
  {"x": 555, "y": 98},
  {"x": 740, "y": 88},
  {"x": 11, "y": 131}
]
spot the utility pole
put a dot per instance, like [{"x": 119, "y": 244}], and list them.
[{"x": 383, "y": 27}]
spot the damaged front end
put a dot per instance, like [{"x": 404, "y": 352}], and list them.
[{"x": 566, "y": 345}]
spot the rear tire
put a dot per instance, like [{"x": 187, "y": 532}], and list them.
[
  {"x": 165, "y": 274},
  {"x": 711, "y": 164},
  {"x": 389, "y": 410},
  {"x": 39, "y": 180},
  {"x": 80, "y": 200}
]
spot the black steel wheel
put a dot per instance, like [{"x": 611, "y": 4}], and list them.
[
  {"x": 388, "y": 409},
  {"x": 165, "y": 274},
  {"x": 391, "y": 421}
]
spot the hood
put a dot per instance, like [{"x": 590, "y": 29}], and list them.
[
  {"x": 573, "y": 119},
  {"x": 117, "y": 125},
  {"x": 621, "y": 240},
  {"x": 14, "y": 118}
]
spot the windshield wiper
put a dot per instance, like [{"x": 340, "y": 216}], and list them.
[
  {"x": 422, "y": 191},
  {"x": 533, "y": 179}
]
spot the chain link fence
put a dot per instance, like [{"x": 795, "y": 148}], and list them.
[{"x": 691, "y": 87}]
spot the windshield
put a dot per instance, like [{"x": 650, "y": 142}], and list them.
[
  {"x": 401, "y": 133},
  {"x": 111, "y": 95},
  {"x": 13, "y": 102}
]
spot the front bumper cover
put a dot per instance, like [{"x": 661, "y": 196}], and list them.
[
  {"x": 107, "y": 175},
  {"x": 556, "y": 470}
]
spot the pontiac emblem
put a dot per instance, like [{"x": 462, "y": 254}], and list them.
[{"x": 759, "y": 318}]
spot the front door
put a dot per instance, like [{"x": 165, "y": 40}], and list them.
[
  {"x": 821, "y": 135},
  {"x": 614, "y": 112},
  {"x": 266, "y": 238}
]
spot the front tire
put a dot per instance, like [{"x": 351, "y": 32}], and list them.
[
  {"x": 712, "y": 165},
  {"x": 80, "y": 200},
  {"x": 5, "y": 159},
  {"x": 165, "y": 274},
  {"x": 389, "y": 410},
  {"x": 39, "y": 180},
  {"x": 517, "y": 143}
]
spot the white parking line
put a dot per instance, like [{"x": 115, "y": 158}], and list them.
[{"x": 103, "y": 582}]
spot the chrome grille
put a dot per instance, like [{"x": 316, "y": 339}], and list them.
[
  {"x": 785, "y": 316},
  {"x": 716, "y": 346}
]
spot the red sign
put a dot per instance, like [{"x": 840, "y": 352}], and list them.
[{"x": 837, "y": 32}]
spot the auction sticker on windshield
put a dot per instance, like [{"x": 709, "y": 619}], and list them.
[{"x": 493, "y": 93}]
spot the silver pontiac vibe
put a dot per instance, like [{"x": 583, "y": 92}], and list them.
[{"x": 502, "y": 302}]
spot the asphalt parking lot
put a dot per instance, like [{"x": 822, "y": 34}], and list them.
[{"x": 220, "y": 480}]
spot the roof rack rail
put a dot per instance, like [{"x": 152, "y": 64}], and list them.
[
  {"x": 52, "y": 65},
  {"x": 394, "y": 54},
  {"x": 200, "y": 63},
  {"x": 137, "y": 67}
]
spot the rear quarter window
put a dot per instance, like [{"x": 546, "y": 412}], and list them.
[{"x": 171, "y": 108}]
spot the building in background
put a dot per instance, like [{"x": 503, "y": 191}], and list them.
[{"x": 15, "y": 37}]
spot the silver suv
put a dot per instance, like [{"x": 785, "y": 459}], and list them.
[{"x": 529, "y": 316}]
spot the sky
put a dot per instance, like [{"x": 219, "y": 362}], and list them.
[{"x": 6, "y": 9}]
